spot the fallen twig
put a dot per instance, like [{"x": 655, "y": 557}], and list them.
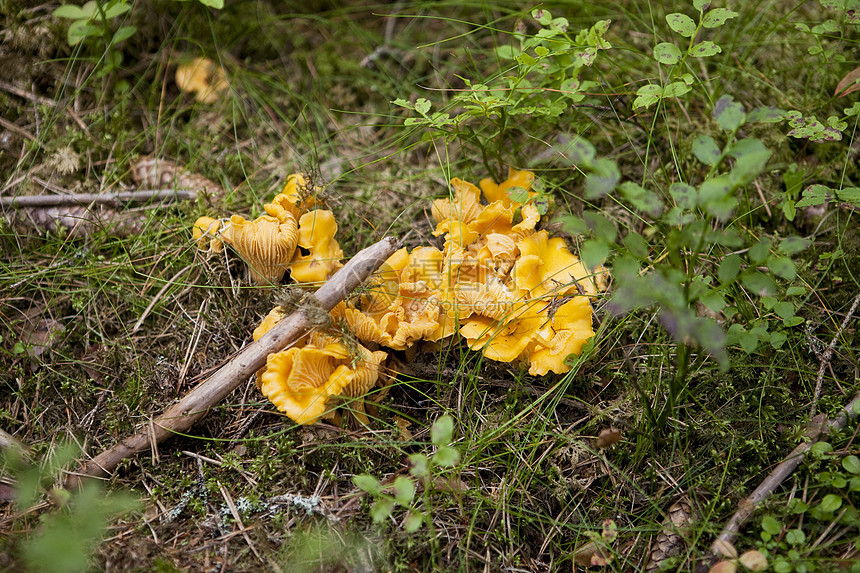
[
  {"x": 819, "y": 427},
  {"x": 183, "y": 414},
  {"x": 113, "y": 199},
  {"x": 828, "y": 354}
]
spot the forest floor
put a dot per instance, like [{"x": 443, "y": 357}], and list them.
[{"x": 708, "y": 158}]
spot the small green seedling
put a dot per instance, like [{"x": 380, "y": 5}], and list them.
[{"x": 424, "y": 469}]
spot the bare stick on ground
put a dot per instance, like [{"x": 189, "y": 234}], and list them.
[
  {"x": 828, "y": 354},
  {"x": 113, "y": 199},
  {"x": 818, "y": 428},
  {"x": 183, "y": 414}
]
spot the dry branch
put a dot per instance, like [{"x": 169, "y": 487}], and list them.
[
  {"x": 183, "y": 414},
  {"x": 828, "y": 354},
  {"x": 818, "y": 428},
  {"x": 113, "y": 199}
]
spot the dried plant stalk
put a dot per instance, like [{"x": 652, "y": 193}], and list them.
[
  {"x": 82, "y": 214},
  {"x": 78, "y": 220},
  {"x": 182, "y": 415},
  {"x": 108, "y": 198}
]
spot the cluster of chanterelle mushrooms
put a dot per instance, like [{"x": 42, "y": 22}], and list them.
[{"x": 510, "y": 291}]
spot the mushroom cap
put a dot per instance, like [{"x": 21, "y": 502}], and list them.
[
  {"x": 453, "y": 215},
  {"x": 491, "y": 300},
  {"x": 383, "y": 285},
  {"x": 283, "y": 207},
  {"x": 465, "y": 205},
  {"x": 530, "y": 216},
  {"x": 303, "y": 381},
  {"x": 363, "y": 326},
  {"x": 424, "y": 265},
  {"x": 494, "y": 218},
  {"x": 202, "y": 77},
  {"x": 461, "y": 265},
  {"x": 300, "y": 381},
  {"x": 456, "y": 231},
  {"x": 293, "y": 198},
  {"x": 564, "y": 334},
  {"x": 266, "y": 245},
  {"x": 205, "y": 234},
  {"x": 316, "y": 234},
  {"x": 366, "y": 372},
  {"x": 499, "y": 191},
  {"x": 546, "y": 266},
  {"x": 508, "y": 340},
  {"x": 271, "y": 319},
  {"x": 415, "y": 315}
]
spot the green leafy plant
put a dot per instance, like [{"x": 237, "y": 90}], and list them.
[
  {"x": 820, "y": 194},
  {"x": 423, "y": 472},
  {"x": 92, "y": 20},
  {"x": 67, "y": 535},
  {"x": 91, "y": 23},
  {"x": 543, "y": 81},
  {"x": 808, "y": 127},
  {"x": 680, "y": 79},
  {"x": 832, "y": 501},
  {"x": 699, "y": 268},
  {"x": 831, "y": 30}
]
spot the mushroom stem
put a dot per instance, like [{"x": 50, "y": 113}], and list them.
[{"x": 183, "y": 414}]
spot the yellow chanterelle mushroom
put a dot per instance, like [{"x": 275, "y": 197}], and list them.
[
  {"x": 308, "y": 382},
  {"x": 203, "y": 78},
  {"x": 266, "y": 244},
  {"x": 316, "y": 235}
]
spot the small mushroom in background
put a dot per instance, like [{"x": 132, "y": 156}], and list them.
[
  {"x": 607, "y": 438},
  {"x": 203, "y": 78}
]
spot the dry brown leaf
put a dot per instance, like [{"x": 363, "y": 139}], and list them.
[
  {"x": 78, "y": 220},
  {"x": 607, "y": 437},
  {"x": 40, "y": 336},
  {"x": 724, "y": 567},
  {"x": 7, "y": 492},
  {"x": 725, "y": 549},
  {"x": 849, "y": 84},
  {"x": 449, "y": 485},
  {"x": 403, "y": 425},
  {"x": 753, "y": 560},
  {"x": 38, "y": 331},
  {"x": 591, "y": 554}
]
